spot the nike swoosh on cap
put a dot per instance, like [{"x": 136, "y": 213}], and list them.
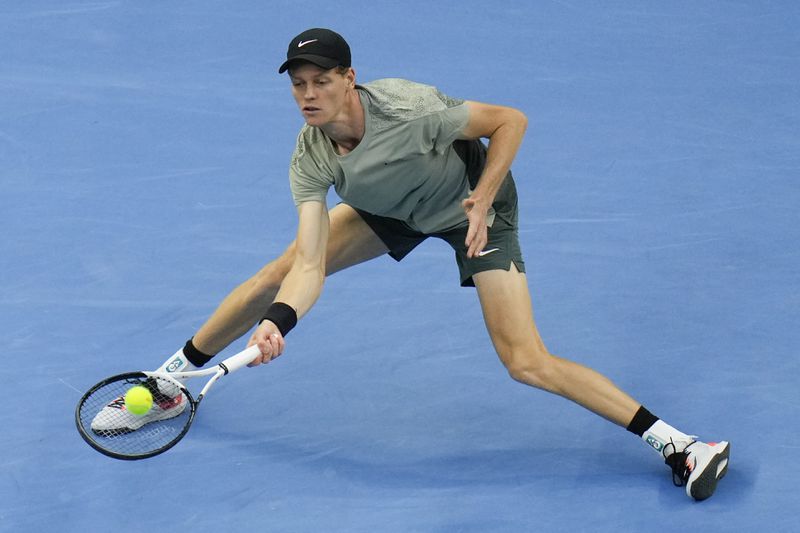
[
  {"x": 487, "y": 252},
  {"x": 303, "y": 43}
]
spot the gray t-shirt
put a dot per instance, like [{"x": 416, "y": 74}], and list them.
[{"x": 405, "y": 166}]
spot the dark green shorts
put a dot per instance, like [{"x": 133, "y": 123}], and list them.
[{"x": 499, "y": 253}]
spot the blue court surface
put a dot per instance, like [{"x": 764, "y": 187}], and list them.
[{"x": 144, "y": 149}]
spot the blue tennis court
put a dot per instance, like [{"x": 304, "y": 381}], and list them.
[{"x": 144, "y": 149}]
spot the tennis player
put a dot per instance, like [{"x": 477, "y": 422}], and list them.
[{"x": 409, "y": 164}]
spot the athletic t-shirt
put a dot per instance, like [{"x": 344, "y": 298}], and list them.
[{"x": 405, "y": 166}]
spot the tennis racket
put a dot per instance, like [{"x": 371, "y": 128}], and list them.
[{"x": 108, "y": 427}]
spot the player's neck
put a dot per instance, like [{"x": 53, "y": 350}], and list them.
[{"x": 347, "y": 129}]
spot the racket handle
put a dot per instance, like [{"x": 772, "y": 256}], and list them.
[{"x": 235, "y": 362}]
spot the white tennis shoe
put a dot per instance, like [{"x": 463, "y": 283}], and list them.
[
  {"x": 115, "y": 419},
  {"x": 168, "y": 402},
  {"x": 699, "y": 466}
]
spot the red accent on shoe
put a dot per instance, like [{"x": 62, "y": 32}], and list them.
[{"x": 172, "y": 402}]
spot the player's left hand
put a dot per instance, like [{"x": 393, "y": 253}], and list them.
[{"x": 477, "y": 234}]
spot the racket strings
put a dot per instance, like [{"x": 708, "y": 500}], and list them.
[{"x": 106, "y": 423}]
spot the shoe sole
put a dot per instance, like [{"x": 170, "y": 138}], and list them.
[{"x": 706, "y": 483}]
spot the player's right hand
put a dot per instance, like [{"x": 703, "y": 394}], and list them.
[{"x": 269, "y": 341}]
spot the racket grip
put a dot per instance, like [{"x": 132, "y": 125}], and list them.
[{"x": 235, "y": 362}]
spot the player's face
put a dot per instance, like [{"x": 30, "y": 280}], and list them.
[{"x": 319, "y": 93}]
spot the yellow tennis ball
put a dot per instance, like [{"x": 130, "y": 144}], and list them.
[{"x": 138, "y": 400}]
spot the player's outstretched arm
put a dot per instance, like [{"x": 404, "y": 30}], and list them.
[{"x": 303, "y": 284}]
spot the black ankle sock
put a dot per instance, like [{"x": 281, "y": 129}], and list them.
[
  {"x": 642, "y": 421},
  {"x": 195, "y": 356}
]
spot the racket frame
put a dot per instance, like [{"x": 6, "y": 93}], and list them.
[{"x": 229, "y": 365}]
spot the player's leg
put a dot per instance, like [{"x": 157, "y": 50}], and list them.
[
  {"x": 506, "y": 304},
  {"x": 351, "y": 241}
]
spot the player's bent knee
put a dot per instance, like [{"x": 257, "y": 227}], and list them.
[{"x": 534, "y": 369}]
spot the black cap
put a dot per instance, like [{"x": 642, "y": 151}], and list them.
[{"x": 324, "y": 48}]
